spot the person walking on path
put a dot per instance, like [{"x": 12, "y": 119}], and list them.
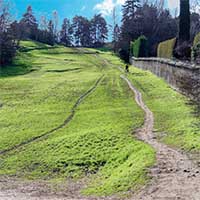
[{"x": 127, "y": 68}]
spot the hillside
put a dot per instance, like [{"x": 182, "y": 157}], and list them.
[{"x": 66, "y": 115}]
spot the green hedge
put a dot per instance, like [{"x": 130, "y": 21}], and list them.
[
  {"x": 196, "y": 49},
  {"x": 196, "y": 40},
  {"x": 166, "y": 48},
  {"x": 139, "y": 48}
]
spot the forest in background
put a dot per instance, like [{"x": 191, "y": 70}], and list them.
[{"x": 140, "y": 18}]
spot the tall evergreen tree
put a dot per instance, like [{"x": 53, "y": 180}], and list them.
[
  {"x": 128, "y": 9},
  {"x": 82, "y": 34},
  {"x": 184, "y": 21},
  {"x": 29, "y": 24},
  {"x": 128, "y": 32},
  {"x": 66, "y": 33},
  {"x": 183, "y": 47},
  {"x": 99, "y": 30}
]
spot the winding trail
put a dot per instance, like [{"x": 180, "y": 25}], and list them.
[
  {"x": 175, "y": 177},
  {"x": 67, "y": 120}
]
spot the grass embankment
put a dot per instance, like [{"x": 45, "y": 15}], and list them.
[
  {"x": 175, "y": 121},
  {"x": 97, "y": 142},
  {"x": 40, "y": 101}
]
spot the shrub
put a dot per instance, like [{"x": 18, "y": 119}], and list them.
[
  {"x": 166, "y": 48},
  {"x": 124, "y": 55},
  {"x": 139, "y": 48},
  {"x": 196, "y": 40},
  {"x": 183, "y": 51},
  {"x": 196, "y": 49}
]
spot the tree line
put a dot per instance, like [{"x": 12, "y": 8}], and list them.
[
  {"x": 80, "y": 31},
  {"x": 153, "y": 21},
  {"x": 139, "y": 17}
]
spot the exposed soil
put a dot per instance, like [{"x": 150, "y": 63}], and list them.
[
  {"x": 175, "y": 176},
  {"x": 16, "y": 189}
]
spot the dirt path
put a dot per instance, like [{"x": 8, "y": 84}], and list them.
[{"x": 175, "y": 177}]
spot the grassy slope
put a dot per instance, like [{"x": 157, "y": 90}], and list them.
[
  {"x": 98, "y": 141},
  {"x": 175, "y": 121},
  {"x": 41, "y": 100},
  {"x": 174, "y": 118}
]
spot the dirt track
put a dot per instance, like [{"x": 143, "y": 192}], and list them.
[
  {"x": 67, "y": 120},
  {"x": 175, "y": 176}
]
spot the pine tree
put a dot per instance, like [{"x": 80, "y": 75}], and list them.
[
  {"x": 82, "y": 31},
  {"x": 99, "y": 30},
  {"x": 29, "y": 24},
  {"x": 128, "y": 9},
  {"x": 66, "y": 33},
  {"x": 128, "y": 28}
]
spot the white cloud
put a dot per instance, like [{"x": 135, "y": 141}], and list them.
[
  {"x": 120, "y": 2},
  {"x": 83, "y": 8},
  {"x": 106, "y": 6},
  {"x": 173, "y": 4}
]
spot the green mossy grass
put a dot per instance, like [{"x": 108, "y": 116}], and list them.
[
  {"x": 175, "y": 121},
  {"x": 98, "y": 143}
]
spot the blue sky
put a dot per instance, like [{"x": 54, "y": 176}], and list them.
[
  {"x": 65, "y": 8},
  {"x": 70, "y": 8}
]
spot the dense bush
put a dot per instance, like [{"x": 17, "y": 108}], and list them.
[
  {"x": 166, "y": 48},
  {"x": 124, "y": 55},
  {"x": 139, "y": 48},
  {"x": 196, "y": 49},
  {"x": 183, "y": 51},
  {"x": 196, "y": 39}
]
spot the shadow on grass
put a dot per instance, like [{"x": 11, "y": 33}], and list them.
[
  {"x": 28, "y": 49},
  {"x": 63, "y": 70},
  {"x": 23, "y": 64},
  {"x": 15, "y": 70},
  {"x": 69, "y": 52},
  {"x": 196, "y": 106}
]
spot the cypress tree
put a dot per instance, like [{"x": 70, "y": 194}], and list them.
[{"x": 184, "y": 24}]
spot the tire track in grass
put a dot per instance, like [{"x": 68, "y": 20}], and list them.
[
  {"x": 67, "y": 120},
  {"x": 175, "y": 176}
]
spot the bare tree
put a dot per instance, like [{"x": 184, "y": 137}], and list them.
[{"x": 55, "y": 24}]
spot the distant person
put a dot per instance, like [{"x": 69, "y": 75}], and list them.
[{"x": 127, "y": 68}]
